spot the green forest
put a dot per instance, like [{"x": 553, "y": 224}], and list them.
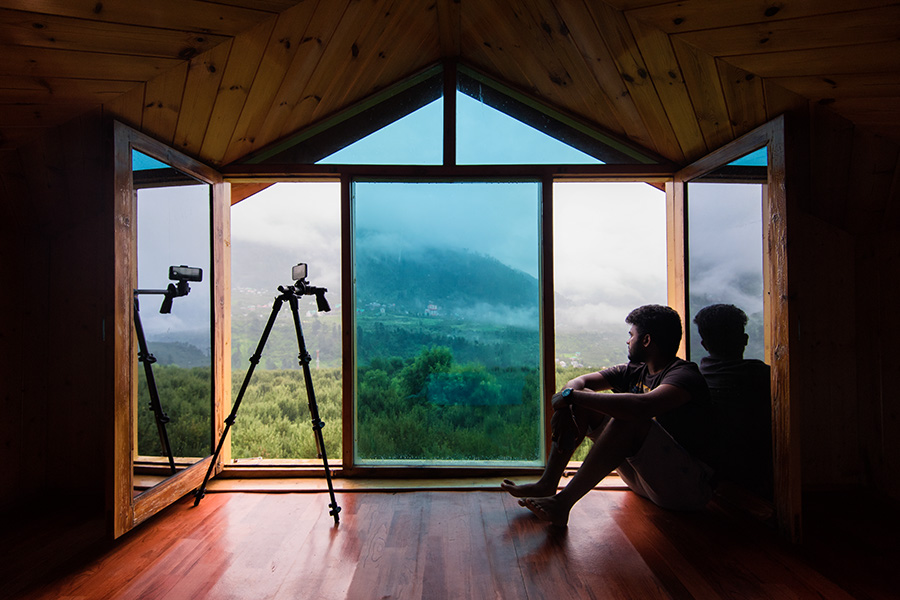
[{"x": 425, "y": 408}]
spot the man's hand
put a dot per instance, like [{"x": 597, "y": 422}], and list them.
[
  {"x": 561, "y": 399},
  {"x": 557, "y": 401}
]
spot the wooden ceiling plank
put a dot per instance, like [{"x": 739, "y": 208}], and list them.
[
  {"x": 46, "y": 62},
  {"x": 639, "y": 81},
  {"x": 498, "y": 59},
  {"x": 701, "y": 76},
  {"x": 318, "y": 35},
  {"x": 204, "y": 77},
  {"x": 58, "y": 90},
  {"x": 666, "y": 73},
  {"x": 272, "y": 6},
  {"x": 483, "y": 43},
  {"x": 41, "y": 115},
  {"x": 550, "y": 36},
  {"x": 129, "y": 107},
  {"x": 743, "y": 96},
  {"x": 603, "y": 97},
  {"x": 823, "y": 31},
  {"x": 843, "y": 85},
  {"x": 448, "y": 14},
  {"x": 337, "y": 59},
  {"x": 243, "y": 63},
  {"x": 693, "y": 15},
  {"x": 861, "y": 58},
  {"x": 557, "y": 75},
  {"x": 780, "y": 100},
  {"x": 283, "y": 45},
  {"x": 179, "y": 15},
  {"x": 47, "y": 31},
  {"x": 162, "y": 103},
  {"x": 392, "y": 54}
]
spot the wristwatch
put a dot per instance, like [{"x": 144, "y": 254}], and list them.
[{"x": 567, "y": 395}]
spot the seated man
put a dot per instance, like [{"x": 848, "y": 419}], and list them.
[
  {"x": 655, "y": 429},
  {"x": 741, "y": 392}
]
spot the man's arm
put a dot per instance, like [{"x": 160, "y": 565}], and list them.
[
  {"x": 629, "y": 406},
  {"x": 590, "y": 381}
]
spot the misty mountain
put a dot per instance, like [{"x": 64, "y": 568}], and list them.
[
  {"x": 266, "y": 266},
  {"x": 454, "y": 281},
  {"x": 451, "y": 281}
]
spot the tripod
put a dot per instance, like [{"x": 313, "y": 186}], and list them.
[
  {"x": 147, "y": 359},
  {"x": 290, "y": 294},
  {"x": 182, "y": 274}
]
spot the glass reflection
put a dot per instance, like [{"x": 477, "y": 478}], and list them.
[
  {"x": 172, "y": 303},
  {"x": 727, "y": 316},
  {"x": 726, "y": 255}
]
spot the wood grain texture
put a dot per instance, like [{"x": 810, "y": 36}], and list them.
[{"x": 460, "y": 545}]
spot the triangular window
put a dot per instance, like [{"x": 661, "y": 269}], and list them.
[{"x": 494, "y": 125}]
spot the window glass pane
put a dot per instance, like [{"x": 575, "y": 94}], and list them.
[
  {"x": 609, "y": 257},
  {"x": 415, "y": 139},
  {"x": 396, "y": 126},
  {"x": 726, "y": 256},
  {"x": 487, "y": 136},
  {"x": 271, "y": 231},
  {"x": 173, "y": 229},
  {"x": 757, "y": 158},
  {"x": 447, "y": 322},
  {"x": 497, "y": 125}
]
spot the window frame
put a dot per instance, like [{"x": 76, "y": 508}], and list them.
[{"x": 129, "y": 510}]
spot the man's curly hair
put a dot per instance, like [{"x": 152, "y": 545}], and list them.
[
  {"x": 721, "y": 328},
  {"x": 661, "y": 322}
]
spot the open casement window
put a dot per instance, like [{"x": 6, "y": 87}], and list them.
[
  {"x": 171, "y": 272},
  {"x": 728, "y": 220}
]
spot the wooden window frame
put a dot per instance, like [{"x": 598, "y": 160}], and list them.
[{"x": 129, "y": 510}]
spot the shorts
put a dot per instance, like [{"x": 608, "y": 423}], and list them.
[{"x": 664, "y": 472}]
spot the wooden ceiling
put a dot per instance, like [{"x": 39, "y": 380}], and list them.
[{"x": 222, "y": 79}]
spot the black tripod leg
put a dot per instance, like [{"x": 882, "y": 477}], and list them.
[
  {"x": 147, "y": 360},
  {"x": 229, "y": 421},
  {"x": 317, "y": 423}
]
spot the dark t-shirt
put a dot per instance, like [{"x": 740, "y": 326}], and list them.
[
  {"x": 751, "y": 374},
  {"x": 741, "y": 395},
  {"x": 690, "y": 424}
]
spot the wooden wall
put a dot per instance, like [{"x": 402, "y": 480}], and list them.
[
  {"x": 57, "y": 273},
  {"x": 848, "y": 238}
]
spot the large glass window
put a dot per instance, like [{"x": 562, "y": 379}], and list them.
[
  {"x": 271, "y": 231},
  {"x": 447, "y": 322},
  {"x": 725, "y": 254},
  {"x": 609, "y": 257},
  {"x": 174, "y": 380}
]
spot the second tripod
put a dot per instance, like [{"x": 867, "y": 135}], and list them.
[{"x": 290, "y": 294}]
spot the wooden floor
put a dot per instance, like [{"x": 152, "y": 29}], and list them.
[{"x": 475, "y": 544}]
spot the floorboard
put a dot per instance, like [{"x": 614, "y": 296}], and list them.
[{"x": 466, "y": 544}]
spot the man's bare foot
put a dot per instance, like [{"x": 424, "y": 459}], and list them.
[
  {"x": 547, "y": 509},
  {"x": 531, "y": 490}
]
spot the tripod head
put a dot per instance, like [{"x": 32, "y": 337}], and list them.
[
  {"x": 301, "y": 287},
  {"x": 181, "y": 274}
]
